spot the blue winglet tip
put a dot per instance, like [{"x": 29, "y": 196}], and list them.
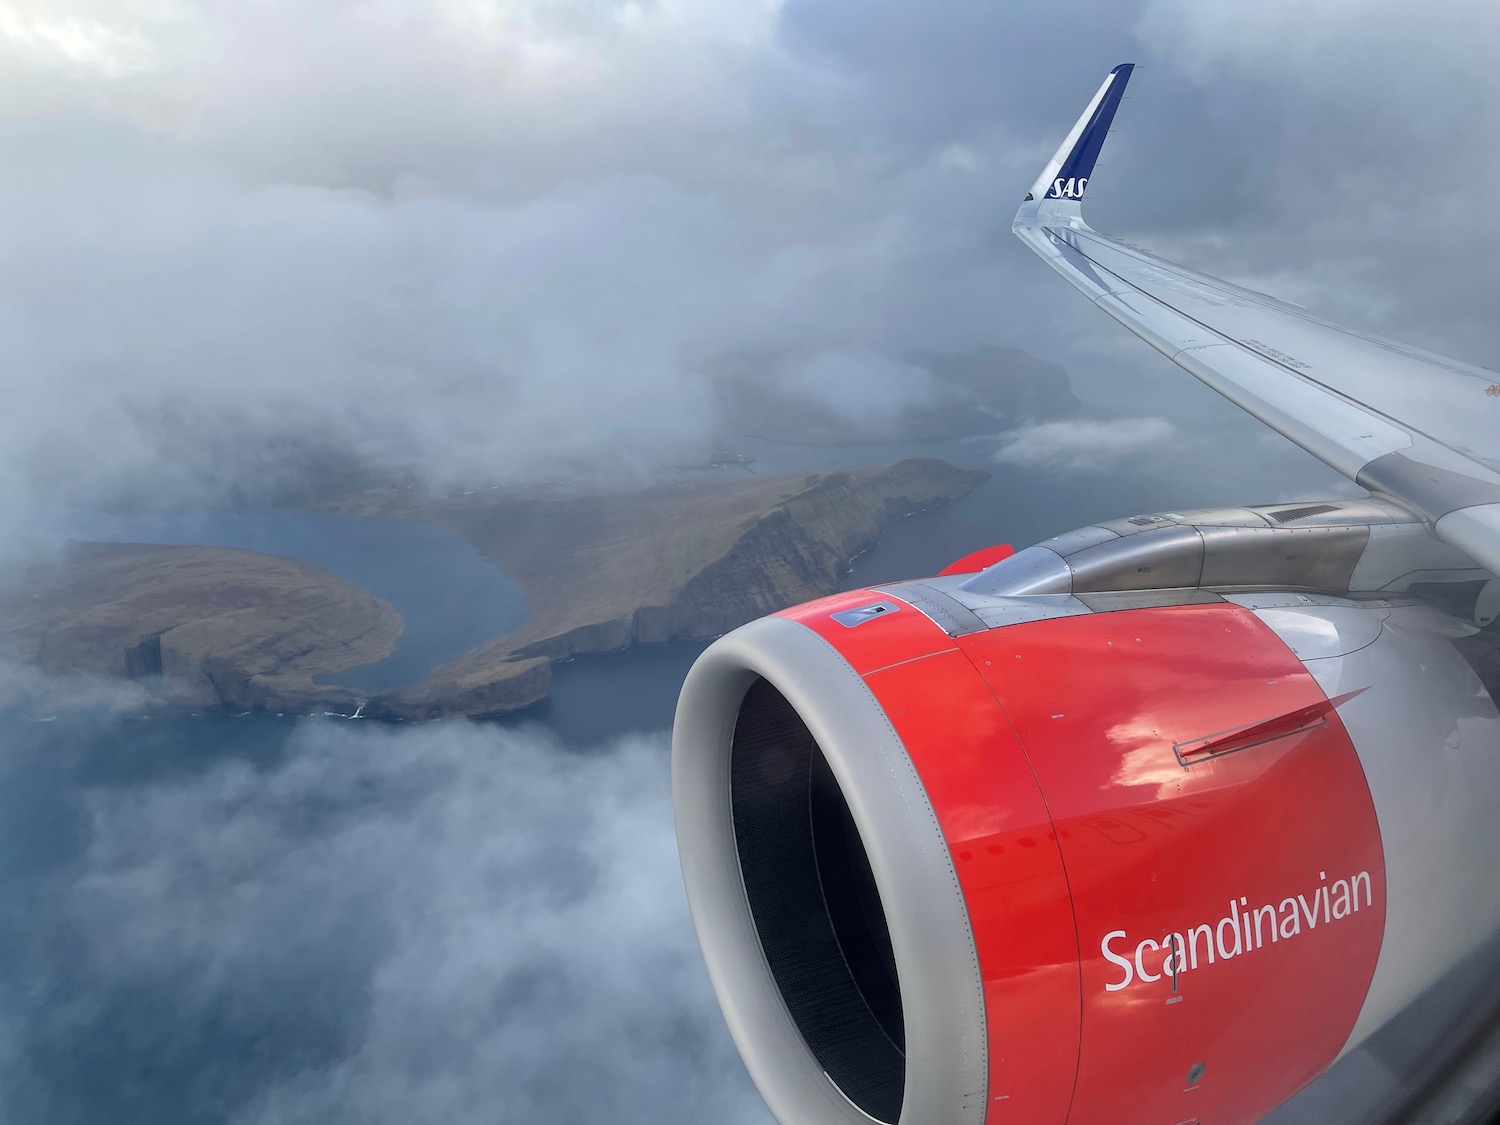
[{"x": 1073, "y": 177}]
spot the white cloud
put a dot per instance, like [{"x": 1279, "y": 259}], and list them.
[
  {"x": 446, "y": 923},
  {"x": 477, "y": 240},
  {"x": 24, "y": 690},
  {"x": 866, "y": 387},
  {"x": 1084, "y": 445},
  {"x": 85, "y": 40},
  {"x": 472, "y": 242}
]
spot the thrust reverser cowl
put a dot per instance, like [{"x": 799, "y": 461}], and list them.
[{"x": 958, "y": 874}]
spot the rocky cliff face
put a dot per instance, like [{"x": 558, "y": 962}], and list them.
[
  {"x": 801, "y": 549},
  {"x": 202, "y": 626},
  {"x": 680, "y": 561}
]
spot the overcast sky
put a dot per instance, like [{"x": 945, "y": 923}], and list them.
[{"x": 477, "y": 239}]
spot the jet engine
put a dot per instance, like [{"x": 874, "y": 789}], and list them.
[{"x": 1148, "y": 823}]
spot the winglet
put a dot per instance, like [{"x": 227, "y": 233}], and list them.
[{"x": 1066, "y": 175}]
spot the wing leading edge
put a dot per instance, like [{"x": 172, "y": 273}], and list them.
[{"x": 1420, "y": 428}]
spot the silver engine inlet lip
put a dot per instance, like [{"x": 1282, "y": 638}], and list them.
[{"x": 933, "y": 943}]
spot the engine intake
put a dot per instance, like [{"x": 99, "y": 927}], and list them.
[
  {"x": 813, "y": 898},
  {"x": 799, "y": 815}
]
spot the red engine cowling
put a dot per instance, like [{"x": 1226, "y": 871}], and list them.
[{"x": 1118, "y": 867}]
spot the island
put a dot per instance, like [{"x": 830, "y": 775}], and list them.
[{"x": 601, "y": 570}]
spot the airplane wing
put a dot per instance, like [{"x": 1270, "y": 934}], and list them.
[{"x": 1417, "y": 427}]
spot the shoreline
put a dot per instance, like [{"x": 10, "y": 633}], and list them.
[{"x": 602, "y": 574}]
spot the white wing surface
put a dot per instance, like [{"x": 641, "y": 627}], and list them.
[{"x": 1417, "y": 427}]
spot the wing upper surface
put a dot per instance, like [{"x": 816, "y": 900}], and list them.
[{"x": 1400, "y": 421}]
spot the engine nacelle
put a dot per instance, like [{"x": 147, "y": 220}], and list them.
[{"x": 1155, "y": 856}]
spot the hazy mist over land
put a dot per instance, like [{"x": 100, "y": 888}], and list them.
[{"x": 484, "y": 242}]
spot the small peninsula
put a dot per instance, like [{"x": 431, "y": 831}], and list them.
[
  {"x": 201, "y": 626},
  {"x": 601, "y": 570}
]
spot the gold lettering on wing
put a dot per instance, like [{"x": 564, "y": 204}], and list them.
[{"x": 1493, "y": 390}]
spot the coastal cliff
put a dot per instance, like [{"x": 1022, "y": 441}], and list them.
[
  {"x": 676, "y": 561},
  {"x": 202, "y": 626}
]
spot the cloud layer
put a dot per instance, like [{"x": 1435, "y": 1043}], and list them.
[
  {"x": 1085, "y": 444},
  {"x": 487, "y": 241},
  {"x": 446, "y": 923}
]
